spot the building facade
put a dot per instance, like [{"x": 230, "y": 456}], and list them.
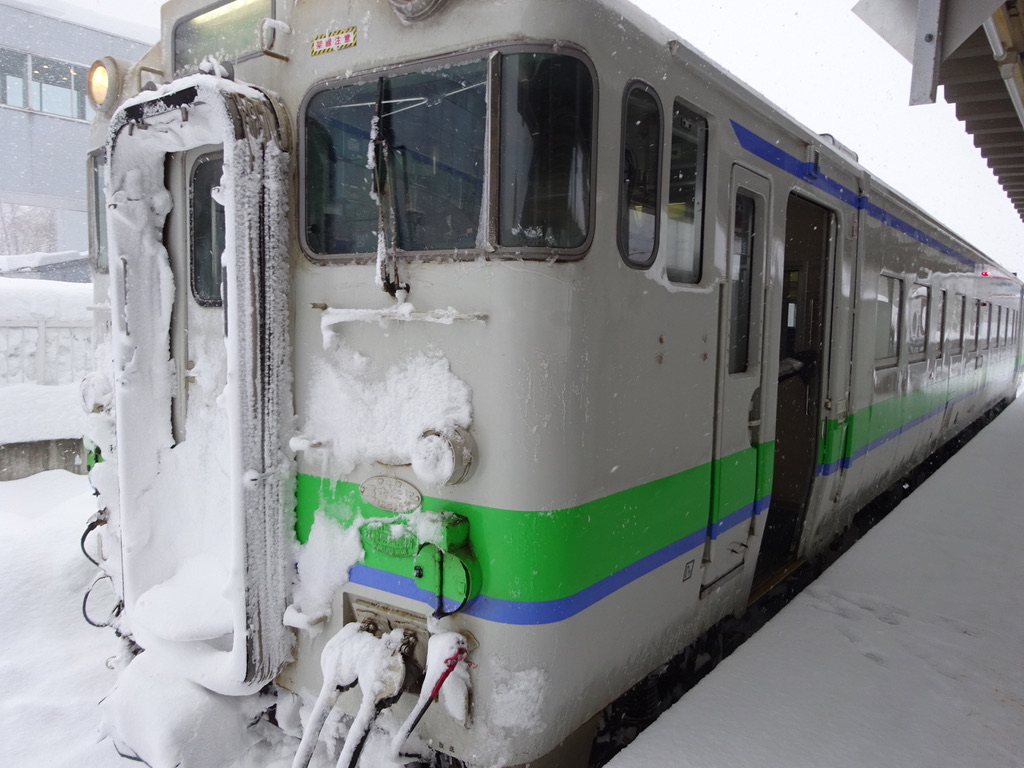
[{"x": 44, "y": 127}]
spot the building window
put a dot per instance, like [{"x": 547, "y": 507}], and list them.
[
  {"x": 45, "y": 85},
  {"x": 683, "y": 231},
  {"x": 888, "y": 320},
  {"x": 639, "y": 199},
  {"x": 13, "y": 68}
]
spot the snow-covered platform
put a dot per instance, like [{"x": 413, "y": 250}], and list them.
[{"x": 908, "y": 651}]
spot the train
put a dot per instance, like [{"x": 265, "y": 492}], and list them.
[{"x": 486, "y": 352}]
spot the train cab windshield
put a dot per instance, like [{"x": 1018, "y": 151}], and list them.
[{"x": 406, "y": 161}]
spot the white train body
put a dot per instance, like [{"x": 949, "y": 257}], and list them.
[{"x": 521, "y": 303}]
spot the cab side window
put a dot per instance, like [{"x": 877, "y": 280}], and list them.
[
  {"x": 687, "y": 174},
  {"x": 639, "y": 193}
]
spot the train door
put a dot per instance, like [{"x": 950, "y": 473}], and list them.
[
  {"x": 202, "y": 397},
  {"x": 194, "y": 234},
  {"x": 803, "y": 358},
  {"x": 739, "y": 477}
]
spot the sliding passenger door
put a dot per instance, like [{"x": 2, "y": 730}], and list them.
[
  {"x": 803, "y": 366},
  {"x": 741, "y": 468}
]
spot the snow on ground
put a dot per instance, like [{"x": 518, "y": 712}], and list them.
[
  {"x": 52, "y": 666},
  {"x": 909, "y": 651}
]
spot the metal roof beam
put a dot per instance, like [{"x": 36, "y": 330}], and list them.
[{"x": 924, "y": 80}]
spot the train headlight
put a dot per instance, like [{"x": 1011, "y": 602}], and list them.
[
  {"x": 445, "y": 458},
  {"x": 416, "y": 10},
  {"x": 104, "y": 84}
]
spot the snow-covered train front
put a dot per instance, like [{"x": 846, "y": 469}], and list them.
[{"x": 444, "y": 347}]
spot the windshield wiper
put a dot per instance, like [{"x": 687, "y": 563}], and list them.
[{"x": 387, "y": 258}]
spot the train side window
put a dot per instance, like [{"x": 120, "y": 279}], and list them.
[
  {"x": 639, "y": 195},
  {"x": 984, "y": 324},
  {"x": 741, "y": 283},
  {"x": 971, "y": 318},
  {"x": 918, "y": 317},
  {"x": 888, "y": 321},
  {"x": 207, "y": 231},
  {"x": 997, "y": 327},
  {"x": 547, "y": 106},
  {"x": 940, "y": 350},
  {"x": 956, "y": 325},
  {"x": 686, "y": 185}
]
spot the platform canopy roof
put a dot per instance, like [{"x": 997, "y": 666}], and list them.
[{"x": 974, "y": 49}]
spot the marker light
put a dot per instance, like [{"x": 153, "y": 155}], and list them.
[
  {"x": 104, "y": 84},
  {"x": 416, "y": 10}
]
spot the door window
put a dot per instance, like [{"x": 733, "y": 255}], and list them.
[
  {"x": 639, "y": 193},
  {"x": 683, "y": 231},
  {"x": 741, "y": 281},
  {"x": 207, "y": 231}
]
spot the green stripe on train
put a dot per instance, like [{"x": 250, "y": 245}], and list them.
[
  {"x": 551, "y": 554},
  {"x": 886, "y": 417}
]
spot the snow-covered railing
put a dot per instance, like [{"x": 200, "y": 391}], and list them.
[{"x": 44, "y": 351}]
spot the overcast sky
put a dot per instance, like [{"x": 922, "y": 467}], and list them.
[{"x": 820, "y": 63}]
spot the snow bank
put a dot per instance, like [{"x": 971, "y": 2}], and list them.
[
  {"x": 15, "y": 262},
  {"x": 52, "y": 665},
  {"x": 31, "y": 412},
  {"x": 171, "y": 722},
  {"x": 29, "y": 301},
  {"x": 40, "y": 317}
]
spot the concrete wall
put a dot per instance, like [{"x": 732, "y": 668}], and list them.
[{"x": 18, "y": 460}]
